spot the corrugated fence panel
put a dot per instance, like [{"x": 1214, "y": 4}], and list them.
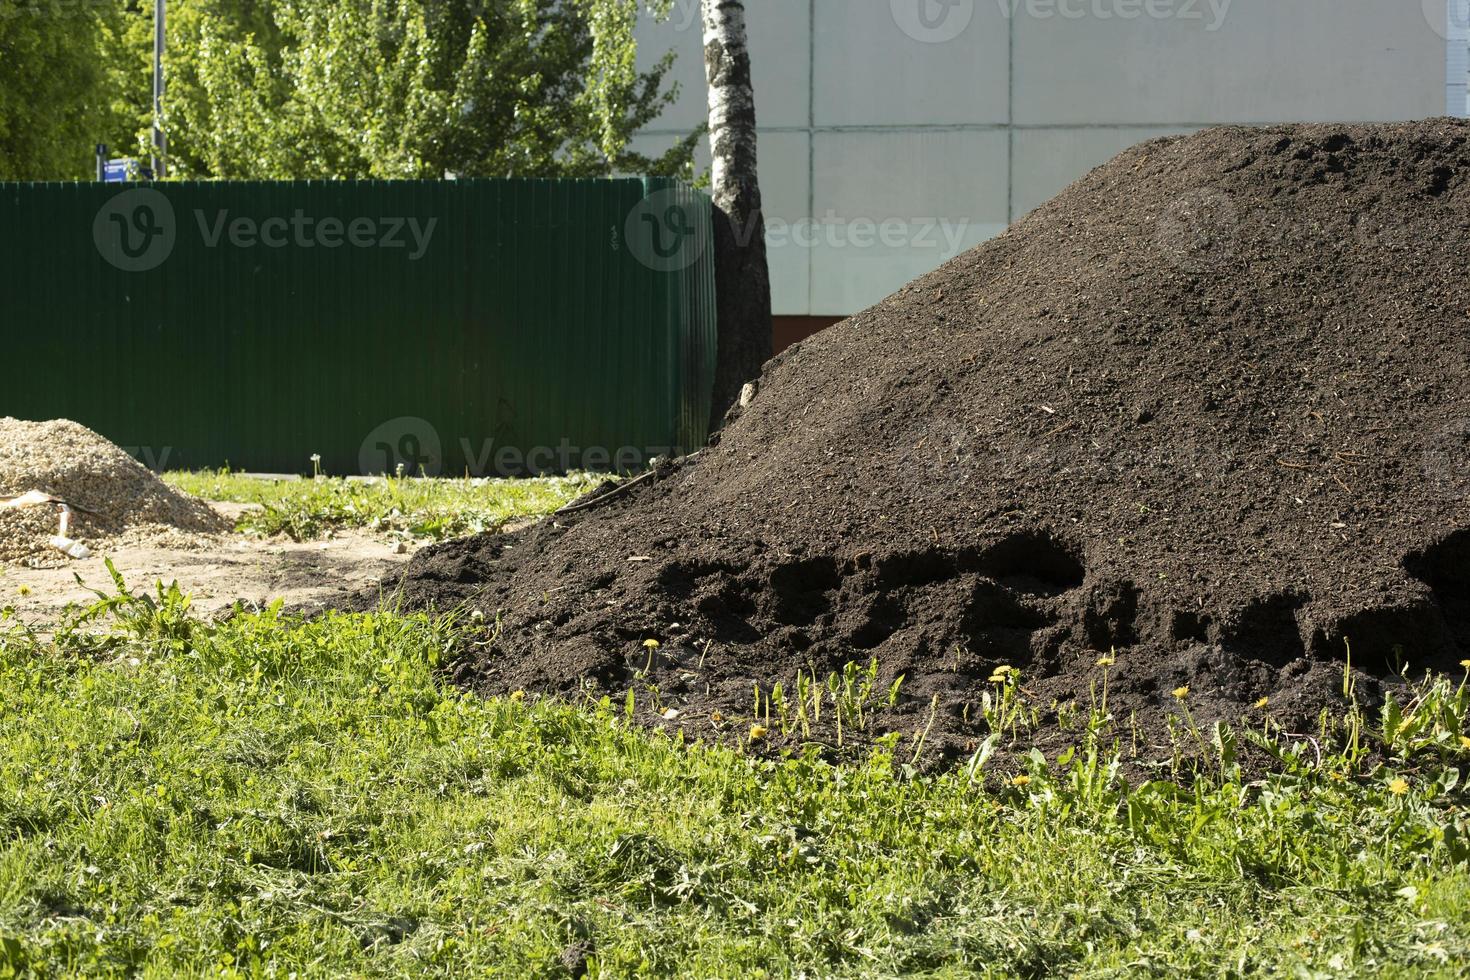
[{"x": 482, "y": 327}]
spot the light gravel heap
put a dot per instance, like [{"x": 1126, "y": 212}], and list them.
[{"x": 112, "y": 495}]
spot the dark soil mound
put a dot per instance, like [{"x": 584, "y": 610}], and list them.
[{"x": 1208, "y": 410}]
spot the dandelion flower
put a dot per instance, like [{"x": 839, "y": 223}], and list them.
[
  {"x": 757, "y": 732},
  {"x": 25, "y": 590},
  {"x": 1263, "y": 702},
  {"x": 518, "y": 695},
  {"x": 1464, "y": 742},
  {"x": 1021, "y": 780},
  {"x": 1398, "y": 787},
  {"x": 651, "y": 644},
  {"x": 1002, "y": 674},
  {"x": 1106, "y": 661},
  {"x": 1465, "y": 664},
  {"x": 716, "y": 717},
  {"x": 1181, "y": 692}
]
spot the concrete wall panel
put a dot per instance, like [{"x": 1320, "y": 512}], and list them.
[
  {"x": 976, "y": 111},
  {"x": 889, "y": 206},
  {"x": 1216, "y": 61},
  {"x": 1045, "y": 161},
  {"x": 780, "y": 62},
  {"x": 878, "y": 64}
]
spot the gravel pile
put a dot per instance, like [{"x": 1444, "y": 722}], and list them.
[{"x": 112, "y": 495}]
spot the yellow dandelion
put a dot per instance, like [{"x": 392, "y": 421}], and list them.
[
  {"x": 1263, "y": 702},
  {"x": 1106, "y": 661},
  {"x": 25, "y": 590},
  {"x": 1465, "y": 742},
  {"x": 651, "y": 644},
  {"x": 716, "y": 717},
  {"x": 518, "y": 695},
  {"x": 1021, "y": 780},
  {"x": 1181, "y": 692},
  {"x": 1465, "y": 664},
  {"x": 1002, "y": 674},
  {"x": 757, "y": 732},
  {"x": 1398, "y": 787}
]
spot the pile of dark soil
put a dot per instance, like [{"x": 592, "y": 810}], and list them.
[{"x": 1207, "y": 412}]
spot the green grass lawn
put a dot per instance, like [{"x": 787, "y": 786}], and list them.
[
  {"x": 273, "y": 797},
  {"x": 407, "y": 508}
]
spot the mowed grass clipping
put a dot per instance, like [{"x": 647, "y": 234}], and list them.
[
  {"x": 401, "y": 507},
  {"x": 269, "y": 797}
]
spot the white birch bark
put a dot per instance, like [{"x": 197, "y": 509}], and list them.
[{"x": 742, "y": 279}]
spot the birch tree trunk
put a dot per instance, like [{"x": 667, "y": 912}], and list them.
[{"x": 742, "y": 278}]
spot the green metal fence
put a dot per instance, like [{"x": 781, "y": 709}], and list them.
[{"x": 483, "y": 327}]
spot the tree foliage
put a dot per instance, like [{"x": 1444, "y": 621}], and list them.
[
  {"x": 295, "y": 89},
  {"x": 53, "y": 100},
  {"x": 403, "y": 88}
]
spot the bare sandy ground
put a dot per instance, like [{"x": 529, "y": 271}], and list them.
[{"x": 302, "y": 574}]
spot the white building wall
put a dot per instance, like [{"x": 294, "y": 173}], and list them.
[
  {"x": 897, "y": 133},
  {"x": 1457, "y": 59}
]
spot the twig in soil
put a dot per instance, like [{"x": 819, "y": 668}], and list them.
[
  {"x": 616, "y": 491},
  {"x": 603, "y": 498}
]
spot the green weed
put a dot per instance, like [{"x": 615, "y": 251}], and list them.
[
  {"x": 266, "y": 796},
  {"x": 395, "y": 507}
]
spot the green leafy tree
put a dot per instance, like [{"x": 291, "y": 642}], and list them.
[
  {"x": 54, "y": 104},
  {"x": 403, "y": 88}
]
